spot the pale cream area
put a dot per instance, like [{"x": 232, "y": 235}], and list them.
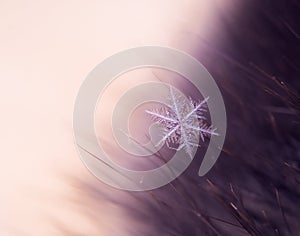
[{"x": 46, "y": 50}]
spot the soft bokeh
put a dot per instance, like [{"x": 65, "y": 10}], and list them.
[{"x": 46, "y": 50}]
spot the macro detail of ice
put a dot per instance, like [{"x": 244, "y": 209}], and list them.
[{"x": 183, "y": 123}]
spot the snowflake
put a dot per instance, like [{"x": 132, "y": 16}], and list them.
[{"x": 182, "y": 123}]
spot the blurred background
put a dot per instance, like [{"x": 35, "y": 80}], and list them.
[{"x": 251, "y": 48}]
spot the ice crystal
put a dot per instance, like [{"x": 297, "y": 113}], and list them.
[{"x": 183, "y": 122}]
